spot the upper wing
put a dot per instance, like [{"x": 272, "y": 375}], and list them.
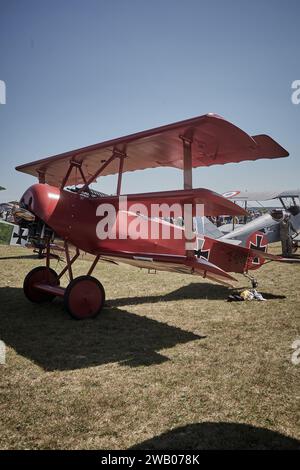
[
  {"x": 290, "y": 193},
  {"x": 214, "y": 141}
]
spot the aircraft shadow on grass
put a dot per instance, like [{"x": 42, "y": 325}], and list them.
[
  {"x": 194, "y": 290},
  {"x": 218, "y": 436},
  {"x": 45, "y": 334},
  {"x": 3, "y": 258}
]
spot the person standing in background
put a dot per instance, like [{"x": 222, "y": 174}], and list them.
[{"x": 286, "y": 237}]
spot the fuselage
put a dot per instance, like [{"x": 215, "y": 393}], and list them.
[
  {"x": 265, "y": 224},
  {"x": 83, "y": 221}
]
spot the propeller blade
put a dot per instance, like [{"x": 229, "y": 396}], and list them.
[{"x": 24, "y": 214}]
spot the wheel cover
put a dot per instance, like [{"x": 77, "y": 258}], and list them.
[
  {"x": 39, "y": 276},
  {"x": 85, "y": 298}
]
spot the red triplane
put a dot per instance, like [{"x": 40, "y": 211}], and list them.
[{"x": 63, "y": 212}]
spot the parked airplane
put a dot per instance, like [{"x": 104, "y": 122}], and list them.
[
  {"x": 101, "y": 226},
  {"x": 265, "y": 228},
  {"x": 10, "y": 233}
]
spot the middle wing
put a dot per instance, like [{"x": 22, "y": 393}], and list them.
[{"x": 213, "y": 204}]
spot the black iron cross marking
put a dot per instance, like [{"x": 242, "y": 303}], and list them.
[
  {"x": 202, "y": 253},
  {"x": 20, "y": 236},
  {"x": 258, "y": 246}
]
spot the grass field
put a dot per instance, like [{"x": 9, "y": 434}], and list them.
[{"x": 168, "y": 364}]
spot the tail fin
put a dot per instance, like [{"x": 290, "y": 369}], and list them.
[
  {"x": 206, "y": 227},
  {"x": 257, "y": 244}
]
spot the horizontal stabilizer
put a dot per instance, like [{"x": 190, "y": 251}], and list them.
[
  {"x": 211, "y": 271},
  {"x": 272, "y": 257}
]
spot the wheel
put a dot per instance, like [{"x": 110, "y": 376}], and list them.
[
  {"x": 84, "y": 297},
  {"x": 39, "y": 275}
]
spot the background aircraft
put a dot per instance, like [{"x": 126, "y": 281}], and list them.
[
  {"x": 10, "y": 233},
  {"x": 267, "y": 224}
]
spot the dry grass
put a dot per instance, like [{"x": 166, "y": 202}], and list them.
[{"x": 169, "y": 363}]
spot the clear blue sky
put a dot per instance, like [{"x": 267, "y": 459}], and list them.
[{"x": 79, "y": 72}]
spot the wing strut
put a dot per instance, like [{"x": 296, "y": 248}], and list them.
[
  {"x": 116, "y": 154},
  {"x": 122, "y": 156},
  {"x": 187, "y": 163},
  {"x": 188, "y": 184}
]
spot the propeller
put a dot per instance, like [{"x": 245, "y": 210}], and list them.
[{"x": 24, "y": 214}]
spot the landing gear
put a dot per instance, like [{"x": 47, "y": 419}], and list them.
[
  {"x": 40, "y": 276},
  {"x": 84, "y": 297}
]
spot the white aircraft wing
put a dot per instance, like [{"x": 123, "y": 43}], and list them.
[{"x": 237, "y": 195}]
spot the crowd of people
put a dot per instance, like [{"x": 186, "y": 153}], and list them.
[{"x": 234, "y": 220}]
